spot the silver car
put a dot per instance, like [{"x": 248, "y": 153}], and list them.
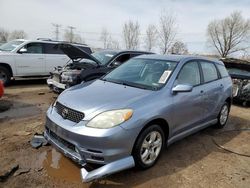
[{"x": 127, "y": 117}]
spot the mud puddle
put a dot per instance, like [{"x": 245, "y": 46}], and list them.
[{"x": 58, "y": 166}]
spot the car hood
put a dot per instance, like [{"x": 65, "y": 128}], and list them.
[
  {"x": 98, "y": 96},
  {"x": 74, "y": 53}
]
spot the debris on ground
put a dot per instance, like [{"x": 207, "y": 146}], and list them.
[
  {"x": 21, "y": 171},
  {"x": 41, "y": 93},
  {"x": 39, "y": 169},
  {"x": 6, "y": 173},
  {"x": 38, "y": 140},
  {"x": 22, "y": 133}
]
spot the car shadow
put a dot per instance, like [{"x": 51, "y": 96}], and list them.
[
  {"x": 27, "y": 82},
  {"x": 176, "y": 157}
]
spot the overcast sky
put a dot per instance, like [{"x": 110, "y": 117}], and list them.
[{"x": 35, "y": 17}]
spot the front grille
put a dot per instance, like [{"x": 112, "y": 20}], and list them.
[
  {"x": 68, "y": 113},
  {"x": 62, "y": 141}
]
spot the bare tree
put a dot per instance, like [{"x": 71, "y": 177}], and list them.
[
  {"x": 112, "y": 44},
  {"x": 151, "y": 37},
  {"x": 131, "y": 32},
  {"x": 229, "y": 35},
  {"x": 178, "y": 48},
  {"x": 167, "y": 31},
  {"x": 4, "y": 35},
  {"x": 17, "y": 34},
  {"x": 105, "y": 37}
]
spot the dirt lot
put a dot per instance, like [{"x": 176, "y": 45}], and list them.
[{"x": 193, "y": 162}]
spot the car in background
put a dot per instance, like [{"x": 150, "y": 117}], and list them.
[
  {"x": 1, "y": 88},
  {"x": 239, "y": 70},
  {"x": 86, "y": 67},
  {"x": 125, "y": 118},
  {"x": 31, "y": 58}
]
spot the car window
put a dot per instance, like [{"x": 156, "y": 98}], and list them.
[
  {"x": 209, "y": 71},
  {"x": 142, "y": 73},
  {"x": 34, "y": 48},
  {"x": 189, "y": 74},
  {"x": 122, "y": 58},
  {"x": 52, "y": 49},
  {"x": 223, "y": 71}
]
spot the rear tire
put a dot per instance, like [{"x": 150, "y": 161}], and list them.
[
  {"x": 148, "y": 147},
  {"x": 223, "y": 116},
  {"x": 5, "y": 75}
]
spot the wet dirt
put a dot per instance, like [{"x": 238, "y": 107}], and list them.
[
  {"x": 60, "y": 167},
  {"x": 192, "y": 162}
]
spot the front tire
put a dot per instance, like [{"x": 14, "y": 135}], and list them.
[
  {"x": 223, "y": 116},
  {"x": 5, "y": 75},
  {"x": 148, "y": 147}
]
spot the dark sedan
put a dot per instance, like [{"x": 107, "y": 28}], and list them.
[{"x": 85, "y": 67}]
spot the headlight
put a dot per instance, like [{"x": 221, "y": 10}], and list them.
[{"x": 110, "y": 119}]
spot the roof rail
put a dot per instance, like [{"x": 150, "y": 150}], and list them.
[{"x": 44, "y": 39}]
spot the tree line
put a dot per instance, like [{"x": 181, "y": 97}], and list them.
[{"x": 227, "y": 36}]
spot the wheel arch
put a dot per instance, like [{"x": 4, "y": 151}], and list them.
[
  {"x": 8, "y": 67},
  {"x": 158, "y": 121}
]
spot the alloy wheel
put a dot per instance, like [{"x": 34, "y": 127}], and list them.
[
  {"x": 224, "y": 115},
  {"x": 151, "y": 147}
]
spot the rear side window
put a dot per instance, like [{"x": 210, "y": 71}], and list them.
[
  {"x": 209, "y": 71},
  {"x": 189, "y": 74},
  {"x": 222, "y": 70},
  {"x": 52, "y": 49}
]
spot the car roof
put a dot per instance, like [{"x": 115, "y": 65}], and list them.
[
  {"x": 50, "y": 42},
  {"x": 125, "y": 51},
  {"x": 177, "y": 58}
]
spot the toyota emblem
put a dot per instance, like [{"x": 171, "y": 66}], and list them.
[{"x": 65, "y": 113}]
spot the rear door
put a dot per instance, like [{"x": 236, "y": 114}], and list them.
[
  {"x": 213, "y": 88},
  {"x": 188, "y": 106},
  {"x": 31, "y": 62},
  {"x": 54, "y": 57}
]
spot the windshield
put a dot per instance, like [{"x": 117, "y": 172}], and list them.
[
  {"x": 104, "y": 56},
  {"x": 142, "y": 73},
  {"x": 236, "y": 71},
  {"x": 10, "y": 45}
]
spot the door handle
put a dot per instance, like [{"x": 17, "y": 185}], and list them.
[{"x": 40, "y": 58}]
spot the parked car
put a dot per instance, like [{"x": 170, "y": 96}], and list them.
[
  {"x": 127, "y": 117},
  {"x": 31, "y": 58},
  {"x": 239, "y": 70},
  {"x": 85, "y": 67},
  {"x": 1, "y": 88}
]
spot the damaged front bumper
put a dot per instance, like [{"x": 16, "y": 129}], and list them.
[
  {"x": 55, "y": 86},
  {"x": 109, "y": 149}
]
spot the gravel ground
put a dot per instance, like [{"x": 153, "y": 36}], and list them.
[{"x": 192, "y": 162}]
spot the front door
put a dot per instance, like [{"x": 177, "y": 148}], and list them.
[
  {"x": 30, "y": 60},
  {"x": 188, "y": 106}
]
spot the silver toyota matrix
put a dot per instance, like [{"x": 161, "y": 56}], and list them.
[{"x": 127, "y": 117}]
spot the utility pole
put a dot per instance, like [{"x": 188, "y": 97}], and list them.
[
  {"x": 57, "y": 26},
  {"x": 71, "y": 33}
]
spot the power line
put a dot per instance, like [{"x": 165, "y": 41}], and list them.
[{"x": 57, "y": 26}]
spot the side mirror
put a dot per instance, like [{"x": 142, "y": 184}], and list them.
[
  {"x": 182, "y": 88},
  {"x": 116, "y": 64},
  {"x": 22, "y": 50}
]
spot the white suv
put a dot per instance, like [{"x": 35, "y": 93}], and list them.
[{"x": 31, "y": 58}]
